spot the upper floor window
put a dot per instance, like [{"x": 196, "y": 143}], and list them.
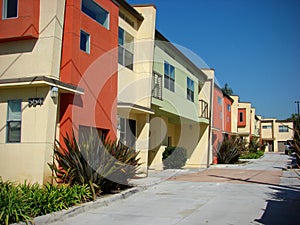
[
  {"x": 190, "y": 89},
  {"x": 96, "y": 12},
  {"x": 13, "y": 123},
  {"x": 84, "y": 41},
  {"x": 169, "y": 76},
  {"x": 241, "y": 117},
  {"x": 219, "y": 100},
  {"x": 10, "y": 9},
  {"x": 228, "y": 108},
  {"x": 126, "y": 48},
  {"x": 283, "y": 128},
  {"x": 267, "y": 127}
]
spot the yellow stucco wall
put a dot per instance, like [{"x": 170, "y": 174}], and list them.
[
  {"x": 40, "y": 57},
  {"x": 28, "y": 159}
]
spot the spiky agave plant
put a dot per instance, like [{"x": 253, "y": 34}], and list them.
[
  {"x": 230, "y": 150},
  {"x": 104, "y": 165}
]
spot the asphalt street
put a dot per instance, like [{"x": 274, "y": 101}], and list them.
[{"x": 260, "y": 192}]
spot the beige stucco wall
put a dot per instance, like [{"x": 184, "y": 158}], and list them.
[
  {"x": 234, "y": 113},
  {"x": 283, "y": 136},
  {"x": 267, "y": 133},
  {"x": 28, "y": 159},
  {"x": 134, "y": 86},
  {"x": 28, "y": 58},
  {"x": 40, "y": 57},
  {"x": 245, "y": 130}
]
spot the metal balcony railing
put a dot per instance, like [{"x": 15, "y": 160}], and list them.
[
  {"x": 157, "y": 86},
  {"x": 203, "y": 112}
]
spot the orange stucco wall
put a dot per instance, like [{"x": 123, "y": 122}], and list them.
[
  {"x": 25, "y": 26},
  {"x": 95, "y": 72},
  {"x": 227, "y": 114},
  {"x": 243, "y": 122}
]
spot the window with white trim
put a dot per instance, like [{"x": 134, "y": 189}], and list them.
[
  {"x": 14, "y": 119},
  {"x": 10, "y": 9},
  {"x": 85, "y": 40},
  {"x": 169, "y": 76},
  {"x": 190, "y": 89},
  {"x": 96, "y": 12},
  {"x": 125, "y": 49}
]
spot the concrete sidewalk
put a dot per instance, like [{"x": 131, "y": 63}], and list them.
[{"x": 260, "y": 192}]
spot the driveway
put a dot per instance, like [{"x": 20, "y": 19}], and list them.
[{"x": 260, "y": 192}]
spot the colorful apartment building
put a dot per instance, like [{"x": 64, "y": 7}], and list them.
[
  {"x": 276, "y": 133},
  {"x": 221, "y": 120},
  {"x": 244, "y": 121},
  {"x": 181, "y": 101},
  {"x": 55, "y": 75},
  {"x": 102, "y": 65}
]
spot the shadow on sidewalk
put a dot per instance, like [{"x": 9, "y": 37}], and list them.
[{"x": 282, "y": 208}]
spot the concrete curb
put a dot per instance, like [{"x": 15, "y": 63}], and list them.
[{"x": 75, "y": 210}]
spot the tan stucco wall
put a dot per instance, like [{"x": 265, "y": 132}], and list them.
[
  {"x": 247, "y": 128},
  {"x": 36, "y": 57},
  {"x": 28, "y": 159},
  {"x": 234, "y": 113},
  {"x": 283, "y": 136},
  {"x": 134, "y": 86}
]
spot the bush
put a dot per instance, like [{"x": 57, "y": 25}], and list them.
[
  {"x": 103, "y": 165},
  {"x": 230, "y": 150},
  {"x": 252, "y": 155},
  {"x": 174, "y": 157},
  {"x": 254, "y": 145},
  {"x": 24, "y": 201}
]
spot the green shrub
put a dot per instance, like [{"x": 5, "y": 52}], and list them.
[
  {"x": 103, "y": 165},
  {"x": 13, "y": 205},
  {"x": 252, "y": 155},
  {"x": 23, "y": 202},
  {"x": 174, "y": 157},
  {"x": 254, "y": 145}
]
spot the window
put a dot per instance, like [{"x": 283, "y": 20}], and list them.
[
  {"x": 169, "y": 78},
  {"x": 10, "y": 9},
  {"x": 267, "y": 127},
  {"x": 127, "y": 128},
  {"x": 283, "y": 129},
  {"x": 86, "y": 132},
  {"x": 126, "y": 49},
  {"x": 241, "y": 117},
  {"x": 219, "y": 100},
  {"x": 84, "y": 41},
  {"x": 157, "y": 86},
  {"x": 96, "y": 12},
  {"x": 190, "y": 89},
  {"x": 228, "y": 108},
  {"x": 14, "y": 121}
]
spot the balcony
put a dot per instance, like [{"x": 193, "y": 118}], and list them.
[
  {"x": 203, "y": 111},
  {"x": 156, "y": 90}
]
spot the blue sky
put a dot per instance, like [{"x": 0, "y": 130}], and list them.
[{"x": 253, "y": 45}]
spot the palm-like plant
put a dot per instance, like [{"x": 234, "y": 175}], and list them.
[
  {"x": 104, "y": 165},
  {"x": 230, "y": 150}
]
